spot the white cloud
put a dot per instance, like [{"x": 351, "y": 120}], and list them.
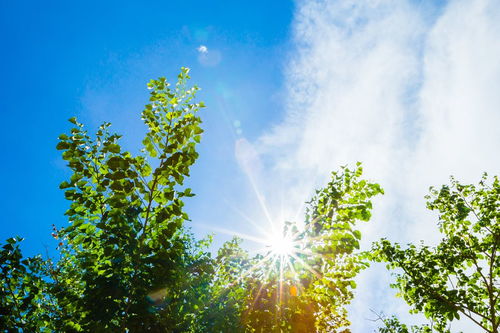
[
  {"x": 208, "y": 58},
  {"x": 409, "y": 89},
  {"x": 202, "y": 49}
]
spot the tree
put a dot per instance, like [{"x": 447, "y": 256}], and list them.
[
  {"x": 127, "y": 262},
  {"x": 461, "y": 275},
  {"x": 22, "y": 299},
  {"x": 306, "y": 287},
  {"x": 227, "y": 294}
]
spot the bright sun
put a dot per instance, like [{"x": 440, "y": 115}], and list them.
[{"x": 281, "y": 245}]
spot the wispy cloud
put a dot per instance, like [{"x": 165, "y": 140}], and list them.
[
  {"x": 202, "y": 49},
  {"x": 409, "y": 88},
  {"x": 208, "y": 57}
]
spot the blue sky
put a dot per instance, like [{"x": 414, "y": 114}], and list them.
[
  {"x": 294, "y": 90},
  {"x": 93, "y": 59}
]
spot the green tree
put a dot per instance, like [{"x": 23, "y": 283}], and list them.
[
  {"x": 23, "y": 302},
  {"x": 461, "y": 275},
  {"x": 127, "y": 261},
  {"x": 225, "y": 299},
  {"x": 308, "y": 288}
]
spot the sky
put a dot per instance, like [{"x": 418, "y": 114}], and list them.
[
  {"x": 294, "y": 90},
  {"x": 93, "y": 60}
]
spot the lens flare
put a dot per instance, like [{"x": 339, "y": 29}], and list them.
[{"x": 281, "y": 244}]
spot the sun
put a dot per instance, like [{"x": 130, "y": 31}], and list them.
[{"x": 281, "y": 244}]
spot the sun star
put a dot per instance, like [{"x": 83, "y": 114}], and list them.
[{"x": 281, "y": 244}]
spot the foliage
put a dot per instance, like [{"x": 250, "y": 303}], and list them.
[
  {"x": 127, "y": 262},
  {"x": 393, "y": 325},
  {"x": 22, "y": 298},
  {"x": 461, "y": 275},
  {"x": 227, "y": 293},
  {"x": 309, "y": 290}
]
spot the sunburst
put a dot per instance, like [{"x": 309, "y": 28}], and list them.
[{"x": 281, "y": 244}]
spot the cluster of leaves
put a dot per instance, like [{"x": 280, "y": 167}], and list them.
[
  {"x": 126, "y": 248},
  {"x": 228, "y": 290},
  {"x": 126, "y": 258},
  {"x": 394, "y": 325},
  {"x": 331, "y": 215},
  {"x": 309, "y": 291},
  {"x": 22, "y": 290},
  {"x": 461, "y": 275}
]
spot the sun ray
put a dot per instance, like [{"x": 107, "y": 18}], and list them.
[
  {"x": 233, "y": 233},
  {"x": 249, "y": 271},
  {"x": 307, "y": 266},
  {"x": 258, "y": 295},
  {"x": 247, "y": 218},
  {"x": 260, "y": 197},
  {"x": 261, "y": 262},
  {"x": 295, "y": 276},
  {"x": 311, "y": 253},
  {"x": 281, "y": 281},
  {"x": 281, "y": 260},
  {"x": 316, "y": 255}
]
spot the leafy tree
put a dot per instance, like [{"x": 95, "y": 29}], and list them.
[
  {"x": 307, "y": 288},
  {"x": 23, "y": 303},
  {"x": 225, "y": 301},
  {"x": 127, "y": 261},
  {"x": 461, "y": 275}
]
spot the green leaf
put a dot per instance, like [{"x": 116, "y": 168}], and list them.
[{"x": 62, "y": 145}]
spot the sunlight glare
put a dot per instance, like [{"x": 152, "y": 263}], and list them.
[{"x": 281, "y": 244}]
